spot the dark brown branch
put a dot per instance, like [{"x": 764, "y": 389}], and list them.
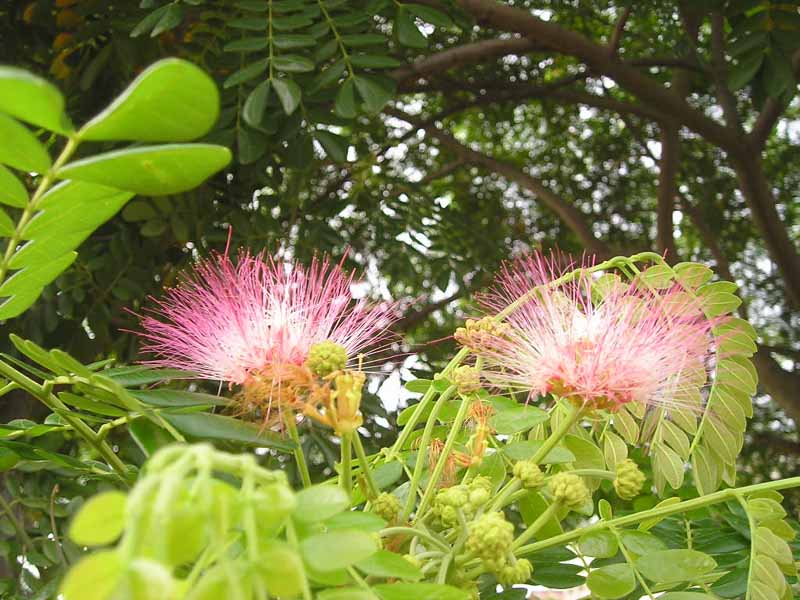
[
  {"x": 790, "y": 353},
  {"x": 776, "y": 444},
  {"x": 569, "y": 214},
  {"x": 773, "y": 109},
  {"x": 418, "y": 316},
  {"x": 551, "y": 35},
  {"x": 443, "y": 172},
  {"x": 719, "y": 71},
  {"x": 619, "y": 28},
  {"x": 455, "y": 57},
  {"x": 709, "y": 239},
  {"x": 780, "y": 384}
]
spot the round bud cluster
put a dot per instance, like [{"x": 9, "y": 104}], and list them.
[
  {"x": 490, "y": 538},
  {"x": 326, "y": 357},
  {"x": 519, "y": 571},
  {"x": 569, "y": 489},
  {"x": 529, "y": 474},
  {"x": 386, "y": 506},
  {"x": 467, "y": 379},
  {"x": 474, "y": 333},
  {"x": 629, "y": 480},
  {"x": 467, "y": 497},
  {"x": 447, "y": 503}
]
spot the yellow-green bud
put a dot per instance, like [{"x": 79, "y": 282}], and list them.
[
  {"x": 386, "y": 506},
  {"x": 512, "y": 574},
  {"x": 326, "y": 357},
  {"x": 569, "y": 489},
  {"x": 629, "y": 480},
  {"x": 480, "y": 491},
  {"x": 529, "y": 474},
  {"x": 413, "y": 560},
  {"x": 466, "y": 379},
  {"x": 490, "y": 537}
]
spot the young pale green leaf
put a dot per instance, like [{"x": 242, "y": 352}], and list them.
[
  {"x": 151, "y": 170},
  {"x": 669, "y": 464},
  {"x": 7, "y": 226},
  {"x": 525, "y": 449},
  {"x": 611, "y": 581},
  {"x": 282, "y": 569},
  {"x": 289, "y": 94},
  {"x": 648, "y": 524},
  {"x": 320, "y": 502},
  {"x": 640, "y": 542},
  {"x": 171, "y": 101},
  {"x": 626, "y": 426},
  {"x": 762, "y": 509},
  {"x": 24, "y": 286},
  {"x": 355, "y": 519},
  {"x": 692, "y": 275},
  {"x": 388, "y": 564},
  {"x": 347, "y": 593},
  {"x": 615, "y": 449},
  {"x": 337, "y": 549},
  {"x": 69, "y": 213},
  {"x": 100, "y": 520},
  {"x": 32, "y": 99},
  {"x": 206, "y": 426},
  {"x": 673, "y": 566},
  {"x": 520, "y": 418},
  {"x": 705, "y": 470},
  {"x": 428, "y": 591},
  {"x": 657, "y": 276},
  {"x": 600, "y": 544},
  {"x": 12, "y": 192},
  {"x": 20, "y": 148},
  {"x": 94, "y": 577}
]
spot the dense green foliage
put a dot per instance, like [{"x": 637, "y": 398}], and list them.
[{"x": 432, "y": 139}]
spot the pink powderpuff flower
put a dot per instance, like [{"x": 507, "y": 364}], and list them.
[
  {"x": 626, "y": 344},
  {"x": 258, "y": 319}
]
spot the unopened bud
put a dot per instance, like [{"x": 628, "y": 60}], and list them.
[
  {"x": 569, "y": 489},
  {"x": 386, "y": 506},
  {"x": 467, "y": 379},
  {"x": 326, "y": 357},
  {"x": 629, "y": 480},
  {"x": 529, "y": 474}
]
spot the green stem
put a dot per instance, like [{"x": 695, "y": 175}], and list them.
[
  {"x": 54, "y": 404},
  {"x": 411, "y": 531},
  {"x": 346, "y": 475},
  {"x": 559, "y": 432},
  {"x": 658, "y": 512},
  {"x": 632, "y": 564},
  {"x": 18, "y": 527},
  {"x": 752, "y": 524},
  {"x": 455, "y": 431},
  {"x": 537, "y": 524},
  {"x": 362, "y": 460},
  {"x": 291, "y": 536},
  {"x": 299, "y": 457},
  {"x": 423, "y": 404},
  {"x": 33, "y": 204},
  {"x": 423, "y": 452}
]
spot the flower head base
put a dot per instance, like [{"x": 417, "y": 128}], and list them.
[
  {"x": 598, "y": 346},
  {"x": 326, "y": 357},
  {"x": 629, "y": 480},
  {"x": 277, "y": 330}
]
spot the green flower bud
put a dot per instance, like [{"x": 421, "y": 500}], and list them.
[
  {"x": 511, "y": 574},
  {"x": 569, "y": 489},
  {"x": 326, "y": 357},
  {"x": 466, "y": 379},
  {"x": 629, "y": 480},
  {"x": 490, "y": 538},
  {"x": 386, "y": 506},
  {"x": 456, "y": 496},
  {"x": 480, "y": 491},
  {"x": 529, "y": 473}
]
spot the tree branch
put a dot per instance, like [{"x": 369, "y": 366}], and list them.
[
  {"x": 719, "y": 71},
  {"x": 455, "y": 57},
  {"x": 569, "y": 214},
  {"x": 780, "y": 384},
  {"x": 619, "y": 28},
  {"x": 773, "y": 109},
  {"x": 508, "y": 18}
]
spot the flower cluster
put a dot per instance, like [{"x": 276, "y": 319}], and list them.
[
  {"x": 282, "y": 332},
  {"x": 600, "y": 348}
]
